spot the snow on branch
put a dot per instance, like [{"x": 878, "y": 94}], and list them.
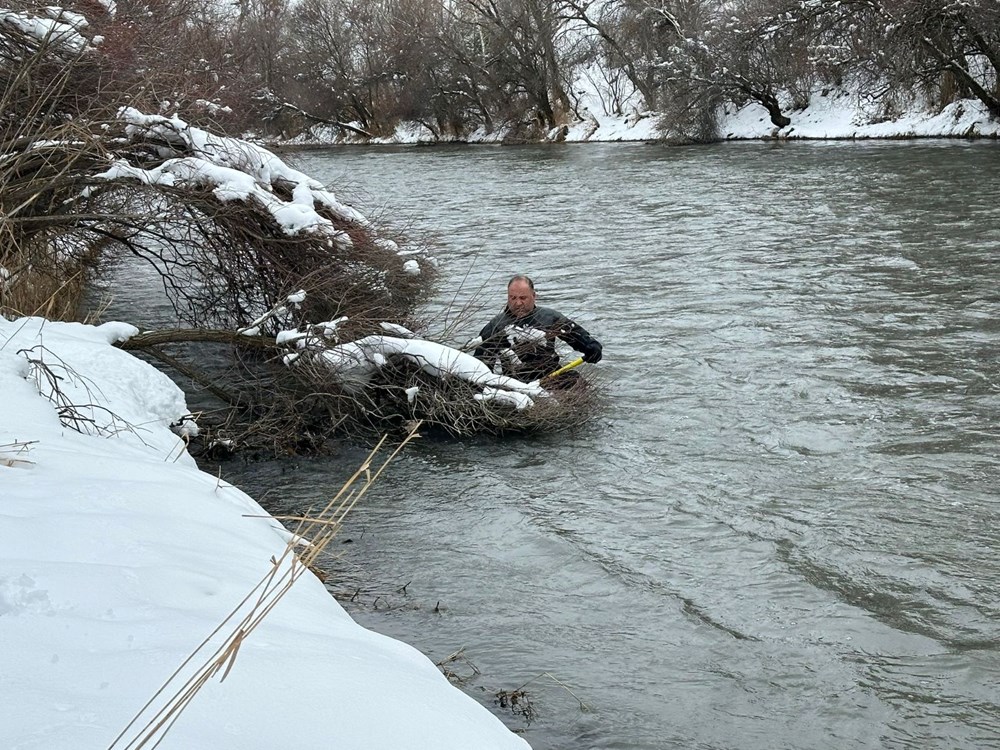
[
  {"x": 359, "y": 359},
  {"x": 235, "y": 170},
  {"x": 229, "y": 184},
  {"x": 59, "y": 28}
]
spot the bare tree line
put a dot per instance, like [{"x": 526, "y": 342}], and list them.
[{"x": 455, "y": 66}]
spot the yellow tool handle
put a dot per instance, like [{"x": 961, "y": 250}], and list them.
[{"x": 565, "y": 368}]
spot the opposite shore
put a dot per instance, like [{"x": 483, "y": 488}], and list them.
[{"x": 835, "y": 115}]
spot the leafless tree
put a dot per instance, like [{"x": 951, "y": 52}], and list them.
[
  {"x": 522, "y": 44},
  {"x": 951, "y": 41},
  {"x": 356, "y": 61},
  {"x": 635, "y": 37},
  {"x": 893, "y": 48}
]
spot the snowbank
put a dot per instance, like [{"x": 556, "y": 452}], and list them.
[
  {"x": 839, "y": 114},
  {"x": 118, "y": 558}
]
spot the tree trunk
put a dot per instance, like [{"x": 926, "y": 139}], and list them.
[
  {"x": 966, "y": 78},
  {"x": 778, "y": 118}
]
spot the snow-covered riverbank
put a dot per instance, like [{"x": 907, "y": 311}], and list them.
[
  {"x": 830, "y": 115},
  {"x": 118, "y": 558}
]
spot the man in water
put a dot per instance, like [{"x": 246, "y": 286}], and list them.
[{"x": 522, "y": 337}]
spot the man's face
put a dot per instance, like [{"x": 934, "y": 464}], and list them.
[{"x": 520, "y": 298}]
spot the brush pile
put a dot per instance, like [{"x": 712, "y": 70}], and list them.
[{"x": 395, "y": 379}]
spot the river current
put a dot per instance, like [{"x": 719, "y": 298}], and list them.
[{"x": 782, "y": 531}]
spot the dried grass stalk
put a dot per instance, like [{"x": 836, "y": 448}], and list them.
[{"x": 310, "y": 538}]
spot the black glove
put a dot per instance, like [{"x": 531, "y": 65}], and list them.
[{"x": 593, "y": 355}]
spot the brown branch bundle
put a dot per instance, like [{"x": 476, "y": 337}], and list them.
[{"x": 446, "y": 404}]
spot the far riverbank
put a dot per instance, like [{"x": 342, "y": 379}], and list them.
[{"x": 829, "y": 116}]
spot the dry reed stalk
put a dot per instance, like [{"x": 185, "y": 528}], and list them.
[
  {"x": 315, "y": 533},
  {"x": 583, "y": 706},
  {"x": 10, "y": 453}
]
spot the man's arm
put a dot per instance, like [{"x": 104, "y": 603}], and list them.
[{"x": 576, "y": 336}]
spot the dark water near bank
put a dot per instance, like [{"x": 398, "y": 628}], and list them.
[{"x": 784, "y": 532}]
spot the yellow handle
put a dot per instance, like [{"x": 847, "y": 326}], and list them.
[{"x": 566, "y": 368}]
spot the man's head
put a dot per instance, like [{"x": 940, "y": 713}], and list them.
[{"x": 520, "y": 296}]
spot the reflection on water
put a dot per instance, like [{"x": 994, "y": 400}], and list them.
[{"x": 783, "y": 532}]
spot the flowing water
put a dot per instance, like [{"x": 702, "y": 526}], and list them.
[{"x": 784, "y": 529}]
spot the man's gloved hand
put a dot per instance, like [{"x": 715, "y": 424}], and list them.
[{"x": 593, "y": 355}]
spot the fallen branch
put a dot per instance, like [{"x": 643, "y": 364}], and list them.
[
  {"x": 315, "y": 118},
  {"x": 151, "y": 339},
  {"x": 204, "y": 381}
]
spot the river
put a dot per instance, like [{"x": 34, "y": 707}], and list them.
[{"x": 782, "y": 532}]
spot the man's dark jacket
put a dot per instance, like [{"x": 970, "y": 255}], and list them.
[{"x": 526, "y": 346}]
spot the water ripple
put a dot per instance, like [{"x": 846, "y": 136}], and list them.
[{"x": 783, "y": 532}]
